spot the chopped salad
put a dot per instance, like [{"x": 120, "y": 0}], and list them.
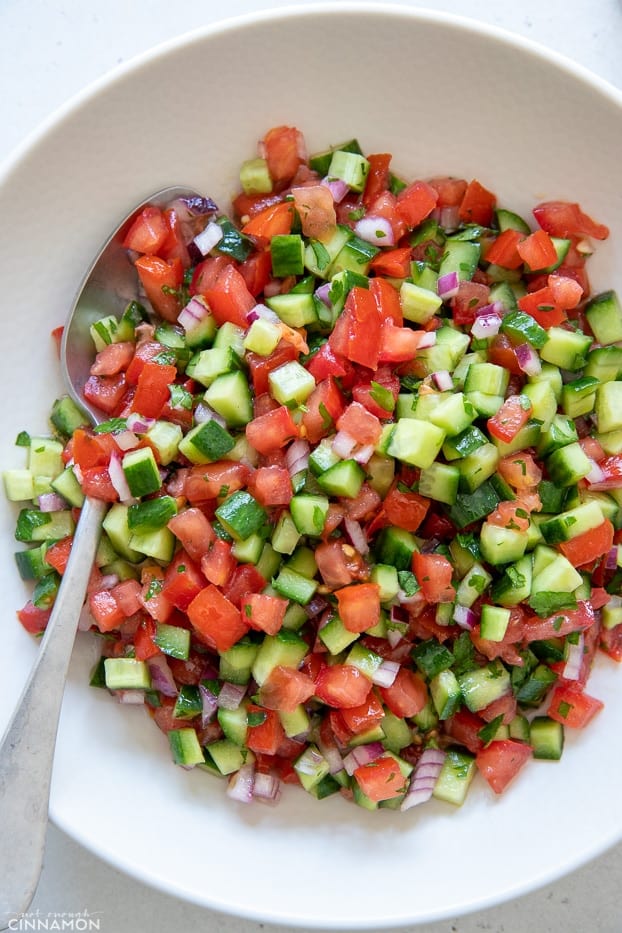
[{"x": 362, "y": 444}]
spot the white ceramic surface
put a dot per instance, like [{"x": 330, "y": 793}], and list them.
[{"x": 530, "y": 126}]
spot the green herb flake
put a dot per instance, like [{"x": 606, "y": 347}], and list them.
[
  {"x": 112, "y": 426},
  {"x": 564, "y": 709},
  {"x": 322, "y": 256},
  {"x": 256, "y": 718},
  {"x": 153, "y": 590},
  {"x": 180, "y": 397},
  {"x": 22, "y": 439},
  {"x": 489, "y": 731},
  {"x": 248, "y": 612},
  {"x": 382, "y": 396},
  {"x": 326, "y": 416}
]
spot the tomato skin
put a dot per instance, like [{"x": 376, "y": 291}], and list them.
[
  {"x": 257, "y": 271},
  {"x": 229, "y": 298},
  {"x": 381, "y": 779},
  {"x": 96, "y": 482},
  {"x": 105, "y": 610},
  {"x": 366, "y": 393},
  {"x": 360, "y": 424},
  {"x": 152, "y": 389},
  {"x": 470, "y": 298},
  {"x": 464, "y": 727},
  {"x": 503, "y": 252},
  {"x": 393, "y": 263},
  {"x": 434, "y": 573},
  {"x": 323, "y": 408},
  {"x": 565, "y": 219},
  {"x": 113, "y": 359},
  {"x": 342, "y": 686},
  {"x": 215, "y": 619},
  {"x": 356, "y": 334},
  {"x": 541, "y": 305},
  {"x": 219, "y": 563},
  {"x": 503, "y": 354},
  {"x": 205, "y": 482},
  {"x": 450, "y": 190},
  {"x": 158, "y": 276},
  {"x": 378, "y": 176},
  {"x": 34, "y": 619},
  {"x": 273, "y": 430},
  {"x": 501, "y": 761},
  {"x": 182, "y": 581},
  {"x": 359, "y": 719},
  {"x": 477, "y": 204},
  {"x": 405, "y": 509},
  {"x": 57, "y": 554},
  {"x": 271, "y": 486},
  {"x": 105, "y": 392},
  {"x": 416, "y": 202},
  {"x": 537, "y": 250},
  {"x": 264, "y": 613},
  {"x": 327, "y": 363},
  {"x": 572, "y": 707},
  {"x": 359, "y": 606},
  {"x": 407, "y": 695},
  {"x": 245, "y": 579},
  {"x": 91, "y": 450},
  {"x": 285, "y": 688},
  {"x": 589, "y": 546},
  {"x": 262, "y": 366},
  {"x": 273, "y": 220},
  {"x": 511, "y": 417},
  {"x": 144, "y": 645},
  {"x": 266, "y": 737},
  {"x": 148, "y": 231},
  {"x": 194, "y": 531},
  {"x": 284, "y": 150}
]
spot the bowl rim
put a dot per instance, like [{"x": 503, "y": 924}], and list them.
[{"x": 228, "y": 25}]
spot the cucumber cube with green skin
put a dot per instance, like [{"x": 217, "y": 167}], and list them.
[
  {"x": 207, "y": 365},
  {"x": 230, "y": 396},
  {"x": 262, "y": 337},
  {"x": 323, "y": 457},
  {"x": 35, "y": 526},
  {"x": 502, "y": 545},
  {"x": 494, "y": 622},
  {"x": 477, "y": 467},
  {"x": 153, "y": 513},
  {"x": 604, "y": 315},
  {"x": 104, "y": 332},
  {"x": 579, "y": 396},
  {"x": 546, "y": 737},
  {"x": 521, "y": 327},
  {"x": 285, "y": 536},
  {"x": 141, "y": 472},
  {"x": 424, "y": 275},
  {"x": 18, "y": 485},
  {"x": 285, "y": 648},
  {"x": 543, "y": 401},
  {"x": 159, "y": 544},
  {"x": 474, "y": 506},
  {"x": 241, "y": 515},
  {"x": 335, "y": 636},
  {"x": 380, "y": 473},
  {"x": 385, "y": 577},
  {"x": 446, "y": 694},
  {"x": 173, "y": 640},
  {"x": 481, "y": 686},
  {"x": 418, "y": 304},
  {"x": 351, "y": 167},
  {"x": 31, "y": 563},
  {"x": 291, "y": 384},
  {"x": 297, "y": 309},
  {"x": 609, "y": 406},
  {"x": 366, "y": 660},
  {"x": 355, "y": 256},
  {"x": 472, "y": 585},
  {"x": 206, "y": 443},
  {"x": 66, "y": 416},
  {"x": 127, "y": 674},
  {"x": 572, "y": 523},
  {"x": 561, "y": 432},
  {"x": 453, "y": 414},
  {"x": 309, "y": 514},
  {"x": 487, "y": 378},
  {"x": 255, "y": 177},
  {"x": 514, "y": 586},
  {"x": 319, "y": 257},
  {"x": 557, "y": 577},
  {"x": 604, "y": 363},
  {"x": 287, "y": 252},
  {"x": 45, "y": 457},
  {"x": 311, "y": 767},
  {"x": 454, "y": 780},
  {"x": 185, "y": 747},
  {"x": 566, "y": 349},
  {"x": 343, "y": 479},
  {"x": 294, "y": 586},
  {"x": 440, "y": 482},
  {"x": 226, "y": 755},
  {"x": 569, "y": 464},
  {"x": 166, "y": 437},
  {"x": 115, "y": 525},
  {"x": 416, "y": 442},
  {"x": 462, "y": 257},
  {"x": 464, "y": 443}
]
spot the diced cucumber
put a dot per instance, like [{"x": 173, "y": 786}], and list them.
[
  {"x": 565, "y": 348},
  {"x": 226, "y": 755},
  {"x": 494, "y": 622},
  {"x": 309, "y": 513},
  {"x": 294, "y": 586},
  {"x": 207, "y": 365},
  {"x": 173, "y": 640},
  {"x": 462, "y": 257},
  {"x": 287, "y": 252},
  {"x": 115, "y": 525},
  {"x": 418, "y": 304},
  {"x": 446, "y": 693},
  {"x": 608, "y": 406},
  {"x": 127, "y": 674},
  {"x": 35, "y": 526},
  {"x": 66, "y": 416},
  {"x": 285, "y": 648},
  {"x": 241, "y": 515},
  {"x": 454, "y": 780},
  {"x": 572, "y": 523},
  {"x": 502, "y": 545},
  {"x": 18, "y": 485},
  {"x": 567, "y": 465},
  {"x": 481, "y": 686},
  {"x": 141, "y": 472},
  {"x": 230, "y": 396},
  {"x": 234, "y": 723},
  {"x": 344, "y": 478},
  {"x": 185, "y": 747},
  {"x": 604, "y": 315},
  {"x": 294, "y": 309},
  {"x": 416, "y": 442},
  {"x": 291, "y": 384},
  {"x": 546, "y": 737}
]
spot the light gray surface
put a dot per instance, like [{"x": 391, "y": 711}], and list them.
[{"x": 49, "y": 50}]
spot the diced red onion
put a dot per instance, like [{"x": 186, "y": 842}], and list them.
[
  {"x": 322, "y": 292},
  {"x": 138, "y": 423},
  {"x": 447, "y": 285},
  {"x": 596, "y": 474},
  {"x": 297, "y": 456},
  {"x": 528, "y": 360},
  {"x": 51, "y": 502},
  {"x": 131, "y": 697},
  {"x": 362, "y": 755},
  {"x": 612, "y": 558},
  {"x": 126, "y": 440},
  {"x": 194, "y": 312},
  {"x": 449, "y": 217},
  {"x": 356, "y": 535},
  {"x": 108, "y": 581},
  {"x": 267, "y": 787},
  {"x": 203, "y": 412},
  {"x": 210, "y": 704},
  {"x": 414, "y": 600},
  {"x": 316, "y": 606},
  {"x": 241, "y": 784},
  {"x": 574, "y": 658},
  {"x": 384, "y": 676},
  {"x": 427, "y": 339},
  {"x": 208, "y": 238},
  {"x": 263, "y": 312},
  {"x": 343, "y": 444},
  {"x": 486, "y": 325},
  {"x": 363, "y": 454},
  {"x": 196, "y": 205},
  {"x": 394, "y": 637},
  {"x": 161, "y": 676},
  {"x": 430, "y": 545},
  {"x": 118, "y": 480},
  {"x": 337, "y": 187},
  {"x": 332, "y": 756},
  {"x": 443, "y": 380},
  {"x": 310, "y": 761},
  {"x": 230, "y": 695},
  {"x": 376, "y": 230},
  {"x": 464, "y": 617},
  {"x": 423, "y": 778}
]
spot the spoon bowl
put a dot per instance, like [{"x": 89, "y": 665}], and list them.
[{"x": 27, "y": 747}]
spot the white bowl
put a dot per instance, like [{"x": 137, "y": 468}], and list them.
[{"x": 444, "y": 96}]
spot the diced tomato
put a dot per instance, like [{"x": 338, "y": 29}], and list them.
[
  {"x": 194, "y": 531},
  {"x": 219, "y": 563},
  {"x": 565, "y": 219},
  {"x": 284, "y": 150},
  {"x": 271, "y": 486},
  {"x": 217, "y": 621},
  {"x": 161, "y": 280},
  {"x": 211, "y": 480},
  {"x": 342, "y": 686},
  {"x": 560, "y": 623},
  {"x": 504, "y": 706},
  {"x": 285, "y": 689},
  {"x": 144, "y": 644},
  {"x": 316, "y": 209},
  {"x": 450, "y": 190},
  {"x": 405, "y": 509},
  {"x": 105, "y": 392},
  {"x": 407, "y": 695},
  {"x": 96, "y": 482},
  {"x": 90, "y": 449},
  {"x": 152, "y": 390},
  {"x": 387, "y": 299},
  {"x": 572, "y": 707},
  {"x": 34, "y": 619},
  {"x": 327, "y": 363},
  {"x": 373, "y": 394},
  {"x": 611, "y": 468},
  {"x": 113, "y": 359},
  {"x": 589, "y": 546},
  {"x": 537, "y": 250},
  {"x": 207, "y": 272},
  {"x": 273, "y": 430},
  {"x": 323, "y": 408},
  {"x": 567, "y": 292},
  {"x": 381, "y": 779},
  {"x": 182, "y": 581},
  {"x": 257, "y": 271},
  {"x": 359, "y": 606},
  {"x": 611, "y": 642},
  {"x": 174, "y": 246},
  {"x": 339, "y": 564},
  {"x": 143, "y": 353},
  {"x": 378, "y": 176},
  {"x": 127, "y": 596},
  {"x": 503, "y": 251},
  {"x": 244, "y": 579},
  {"x": 148, "y": 232},
  {"x": 434, "y": 573},
  {"x": 264, "y": 613},
  {"x": 416, "y": 202},
  {"x": 477, "y": 205},
  {"x": 229, "y": 299},
  {"x": 266, "y": 736},
  {"x": 364, "y": 505},
  {"x": 273, "y": 220},
  {"x": 398, "y": 344},
  {"x": 151, "y": 596},
  {"x": 502, "y": 353},
  {"x": 394, "y": 263},
  {"x": 511, "y": 417},
  {"x": 464, "y": 727},
  {"x": 470, "y": 298},
  {"x": 105, "y": 610},
  {"x": 542, "y": 307},
  {"x": 262, "y": 366},
  {"x": 360, "y": 424},
  {"x": 359, "y": 719},
  {"x": 437, "y": 526},
  {"x": 509, "y": 514},
  {"x": 57, "y": 554},
  {"x": 356, "y": 334},
  {"x": 520, "y": 470},
  {"x": 501, "y": 761}
]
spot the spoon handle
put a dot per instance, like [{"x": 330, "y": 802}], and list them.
[{"x": 27, "y": 748}]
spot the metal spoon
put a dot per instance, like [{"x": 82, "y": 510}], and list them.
[{"x": 27, "y": 748}]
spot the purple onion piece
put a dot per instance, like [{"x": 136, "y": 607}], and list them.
[
  {"x": 231, "y": 695},
  {"x": 362, "y": 755},
  {"x": 612, "y": 558},
  {"x": 323, "y": 292},
  {"x": 267, "y": 787},
  {"x": 423, "y": 778},
  {"x": 51, "y": 502},
  {"x": 447, "y": 285},
  {"x": 337, "y": 187},
  {"x": 464, "y": 617},
  {"x": 357, "y": 536},
  {"x": 385, "y": 674},
  {"x": 208, "y": 238},
  {"x": 198, "y": 205},
  {"x": 210, "y": 705},
  {"x": 161, "y": 676},
  {"x": 528, "y": 360},
  {"x": 241, "y": 784}
]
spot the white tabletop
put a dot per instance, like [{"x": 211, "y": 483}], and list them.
[{"x": 49, "y": 50}]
